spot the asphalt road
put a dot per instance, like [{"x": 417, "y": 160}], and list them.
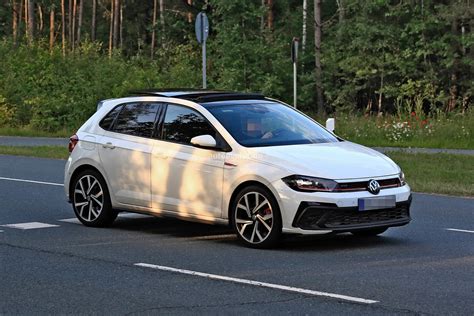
[{"x": 422, "y": 268}]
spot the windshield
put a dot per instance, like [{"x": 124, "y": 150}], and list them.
[{"x": 266, "y": 123}]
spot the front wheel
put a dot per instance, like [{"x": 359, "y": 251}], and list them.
[
  {"x": 369, "y": 232},
  {"x": 256, "y": 217},
  {"x": 91, "y": 200}
]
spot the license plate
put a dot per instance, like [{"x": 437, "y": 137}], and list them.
[{"x": 377, "y": 203}]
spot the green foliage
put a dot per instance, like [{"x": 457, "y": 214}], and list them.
[
  {"x": 410, "y": 55},
  {"x": 50, "y": 92}
]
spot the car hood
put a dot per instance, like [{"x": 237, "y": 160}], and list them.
[{"x": 341, "y": 160}]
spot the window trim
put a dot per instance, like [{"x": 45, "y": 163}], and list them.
[{"x": 225, "y": 148}]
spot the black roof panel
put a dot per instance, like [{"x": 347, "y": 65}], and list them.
[{"x": 197, "y": 95}]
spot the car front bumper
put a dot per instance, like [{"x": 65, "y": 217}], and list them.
[{"x": 336, "y": 212}]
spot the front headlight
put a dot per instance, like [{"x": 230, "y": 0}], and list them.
[
  {"x": 402, "y": 178},
  {"x": 310, "y": 184}
]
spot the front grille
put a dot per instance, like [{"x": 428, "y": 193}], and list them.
[
  {"x": 362, "y": 185},
  {"x": 334, "y": 218}
]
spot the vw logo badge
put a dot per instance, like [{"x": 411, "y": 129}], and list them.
[{"x": 374, "y": 187}]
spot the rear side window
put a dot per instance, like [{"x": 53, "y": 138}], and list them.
[
  {"x": 181, "y": 124},
  {"x": 137, "y": 119},
  {"x": 107, "y": 121}
]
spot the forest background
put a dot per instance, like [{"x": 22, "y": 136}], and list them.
[{"x": 391, "y": 72}]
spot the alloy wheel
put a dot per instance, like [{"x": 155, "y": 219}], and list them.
[
  {"x": 88, "y": 198},
  {"x": 254, "y": 217}
]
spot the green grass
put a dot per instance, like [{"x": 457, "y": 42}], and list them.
[
  {"x": 55, "y": 152},
  {"x": 437, "y": 173},
  {"x": 31, "y": 132},
  {"x": 454, "y": 132}
]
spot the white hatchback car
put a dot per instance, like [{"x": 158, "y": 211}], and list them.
[{"x": 230, "y": 158}]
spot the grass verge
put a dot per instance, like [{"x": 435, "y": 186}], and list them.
[
  {"x": 31, "y": 132},
  {"x": 437, "y": 173},
  {"x": 55, "y": 152}
]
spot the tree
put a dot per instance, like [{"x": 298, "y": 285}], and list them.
[
  {"x": 63, "y": 28},
  {"x": 79, "y": 21},
  {"x": 93, "y": 20},
  {"x": 51, "y": 28},
  {"x": 153, "y": 31},
  {"x": 15, "y": 22},
  {"x": 317, "y": 57},
  {"x": 30, "y": 33},
  {"x": 116, "y": 21}
]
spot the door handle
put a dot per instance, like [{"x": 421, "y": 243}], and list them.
[{"x": 108, "y": 145}]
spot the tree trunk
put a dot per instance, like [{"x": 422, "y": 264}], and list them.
[
  {"x": 317, "y": 57},
  {"x": 270, "y": 15},
  {"x": 379, "y": 113},
  {"x": 94, "y": 13},
  {"x": 111, "y": 29},
  {"x": 51, "y": 29},
  {"x": 73, "y": 35},
  {"x": 63, "y": 28},
  {"x": 341, "y": 10},
  {"x": 69, "y": 22},
  {"x": 153, "y": 31},
  {"x": 121, "y": 27},
  {"x": 20, "y": 15},
  {"x": 79, "y": 21},
  {"x": 41, "y": 22},
  {"x": 162, "y": 22},
  {"x": 305, "y": 13},
  {"x": 190, "y": 15},
  {"x": 14, "y": 22},
  {"x": 31, "y": 21},
  {"x": 453, "y": 90},
  {"x": 116, "y": 14}
]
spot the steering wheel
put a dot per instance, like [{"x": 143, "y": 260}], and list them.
[{"x": 274, "y": 133}]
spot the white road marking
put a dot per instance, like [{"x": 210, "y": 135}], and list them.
[
  {"x": 258, "y": 283},
  {"x": 31, "y": 225},
  {"x": 460, "y": 230},
  {"x": 70, "y": 220},
  {"x": 32, "y": 181},
  {"x": 74, "y": 220}
]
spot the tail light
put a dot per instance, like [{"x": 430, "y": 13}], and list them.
[{"x": 72, "y": 142}]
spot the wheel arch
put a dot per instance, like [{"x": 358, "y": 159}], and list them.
[
  {"x": 80, "y": 169},
  {"x": 245, "y": 184}
]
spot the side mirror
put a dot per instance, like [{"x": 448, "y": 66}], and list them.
[
  {"x": 205, "y": 141},
  {"x": 330, "y": 124}
]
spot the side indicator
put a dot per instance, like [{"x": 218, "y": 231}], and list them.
[{"x": 228, "y": 164}]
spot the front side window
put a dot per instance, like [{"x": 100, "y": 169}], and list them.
[
  {"x": 182, "y": 123},
  {"x": 268, "y": 123},
  {"x": 137, "y": 119}
]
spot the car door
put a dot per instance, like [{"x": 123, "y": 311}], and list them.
[
  {"x": 125, "y": 152},
  {"x": 186, "y": 179}
]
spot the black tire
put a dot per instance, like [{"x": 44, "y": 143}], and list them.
[
  {"x": 268, "y": 215},
  {"x": 91, "y": 200},
  {"x": 369, "y": 232}
]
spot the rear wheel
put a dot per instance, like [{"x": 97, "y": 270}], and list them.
[
  {"x": 91, "y": 200},
  {"x": 369, "y": 232},
  {"x": 256, "y": 217}
]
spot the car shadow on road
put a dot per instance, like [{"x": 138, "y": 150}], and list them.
[{"x": 171, "y": 227}]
